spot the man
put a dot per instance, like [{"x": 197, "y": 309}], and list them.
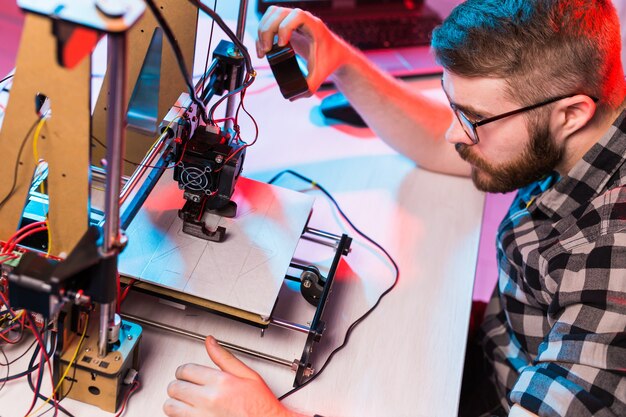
[{"x": 537, "y": 91}]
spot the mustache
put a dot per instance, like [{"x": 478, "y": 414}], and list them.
[{"x": 466, "y": 153}]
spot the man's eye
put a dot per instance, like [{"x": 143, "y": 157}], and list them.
[{"x": 472, "y": 117}]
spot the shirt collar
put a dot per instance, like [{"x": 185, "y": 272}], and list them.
[{"x": 590, "y": 175}]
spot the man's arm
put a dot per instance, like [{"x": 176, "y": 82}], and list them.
[{"x": 408, "y": 121}]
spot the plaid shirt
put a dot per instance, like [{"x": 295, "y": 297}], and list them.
[{"x": 555, "y": 329}]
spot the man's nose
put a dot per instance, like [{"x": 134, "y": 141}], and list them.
[{"x": 456, "y": 134}]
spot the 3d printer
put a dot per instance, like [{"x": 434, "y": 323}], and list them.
[{"x": 67, "y": 284}]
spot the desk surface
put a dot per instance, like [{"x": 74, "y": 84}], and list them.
[{"x": 406, "y": 358}]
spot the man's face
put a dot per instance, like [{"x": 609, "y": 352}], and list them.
[{"x": 511, "y": 152}]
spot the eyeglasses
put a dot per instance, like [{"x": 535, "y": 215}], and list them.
[{"x": 470, "y": 126}]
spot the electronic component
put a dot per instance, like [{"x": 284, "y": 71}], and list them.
[
  {"x": 337, "y": 107},
  {"x": 209, "y": 164},
  {"x": 284, "y": 65}
]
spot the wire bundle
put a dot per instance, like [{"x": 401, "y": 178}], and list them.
[{"x": 8, "y": 249}]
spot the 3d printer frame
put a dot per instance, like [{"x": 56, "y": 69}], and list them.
[{"x": 177, "y": 129}]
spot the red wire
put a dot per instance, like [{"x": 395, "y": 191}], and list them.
[
  {"x": 119, "y": 293},
  {"x": 47, "y": 360},
  {"x": 24, "y": 236},
  {"x": 202, "y": 209},
  {"x": 134, "y": 388},
  {"x": 182, "y": 153},
  {"x": 10, "y": 341},
  {"x": 24, "y": 229},
  {"x": 127, "y": 289},
  {"x": 32, "y": 404}
]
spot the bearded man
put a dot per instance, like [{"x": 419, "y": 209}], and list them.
[{"x": 537, "y": 92}]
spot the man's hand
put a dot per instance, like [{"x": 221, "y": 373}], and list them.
[
  {"x": 236, "y": 390},
  {"x": 311, "y": 39}
]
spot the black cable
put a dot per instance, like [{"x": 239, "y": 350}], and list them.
[
  {"x": 45, "y": 357},
  {"x": 17, "y": 162},
  {"x": 208, "y": 51},
  {"x": 8, "y": 77},
  {"x": 18, "y": 358},
  {"x": 38, "y": 387},
  {"x": 368, "y": 312},
  {"x": 243, "y": 88},
  {"x": 104, "y": 146},
  {"x": 131, "y": 162},
  {"x": 7, "y": 363},
  {"x": 31, "y": 363},
  {"x": 251, "y": 73},
  {"x": 227, "y": 31},
  {"x": 30, "y": 370},
  {"x": 179, "y": 56}
]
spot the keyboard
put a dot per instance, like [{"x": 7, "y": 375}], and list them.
[
  {"x": 382, "y": 29},
  {"x": 371, "y": 25}
]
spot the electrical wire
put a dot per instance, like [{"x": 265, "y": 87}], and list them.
[
  {"x": 99, "y": 142},
  {"x": 12, "y": 361},
  {"x": 179, "y": 56},
  {"x": 228, "y": 32},
  {"x": 208, "y": 51},
  {"x": 37, "y": 353},
  {"x": 17, "y": 164},
  {"x": 368, "y": 312},
  {"x": 45, "y": 358},
  {"x": 67, "y": 369},
  {"x": 136, "y": 385},
  {"x": 49, "y": 249},
  {"x": 7, "y": 364},
  {"x": 36, "y": 389},
  {"x": 104, "y": 146},
  {"x": 250, "y": 72},
  {"x": 36, "y": 136},
  {"x": 40, "y": 124},
  {"x": 8, "y": 77},
  {"x": 236, "y": 127},
  {"x": 19, "y": 235},
  {"x": 244, "y": 86}
]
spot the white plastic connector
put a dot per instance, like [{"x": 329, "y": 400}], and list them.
[
  {"x": 215, "y": 129},
  {"x": 131, "y": 376}
]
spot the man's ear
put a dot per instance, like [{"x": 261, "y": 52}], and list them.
[{"x": 570, "y": 115}]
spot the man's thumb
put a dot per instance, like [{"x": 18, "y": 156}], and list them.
[{"x": 226, "y": 361}]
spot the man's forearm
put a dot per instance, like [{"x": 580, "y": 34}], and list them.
[{"x": 407, "y": 120}]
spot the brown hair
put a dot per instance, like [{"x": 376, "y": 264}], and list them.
[{"x": 542, "y": 48}]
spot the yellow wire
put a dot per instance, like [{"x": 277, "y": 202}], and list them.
[
  {"x": 19, "y": 314},
  {"x": 36, "y": 156},
  {"x": 42, "y": 121},
  {"x": 67, "y": 370}
]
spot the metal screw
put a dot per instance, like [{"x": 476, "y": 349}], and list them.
[
  {"x": 87, "y": 349},
  {"x": 219, "y": 159},
  {"x": 308, "y": 372},
  {"x": 130, "y": 337},
  {"x": 307, "y": 283},
  {"x": 117, "y": 358}
]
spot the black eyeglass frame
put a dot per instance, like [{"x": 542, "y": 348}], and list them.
[{"x": 461, "y": 115}]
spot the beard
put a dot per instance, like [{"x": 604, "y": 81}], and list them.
[{"x": 538, "y": 159}]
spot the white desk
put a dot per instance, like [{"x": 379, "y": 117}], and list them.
[{"x": 405, "y": 359}]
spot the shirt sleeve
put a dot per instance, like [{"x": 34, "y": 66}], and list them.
[{"x": 580, "y": 368}]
